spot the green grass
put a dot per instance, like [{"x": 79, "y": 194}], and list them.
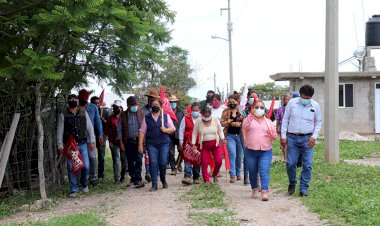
[
  {"x": 78, "y": 219},
  {"x": 342, "y": 193},
  {"x": 10, "y": 204},
  {"x": 208, "y": 205}
]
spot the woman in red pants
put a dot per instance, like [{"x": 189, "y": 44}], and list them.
[{"x": 210, "y": 139}]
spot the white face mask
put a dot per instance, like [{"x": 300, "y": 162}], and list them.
[
  {"x": 207, "y": 119},
  {"x": 259, "y": 112}
]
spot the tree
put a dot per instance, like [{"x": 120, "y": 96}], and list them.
[
  {"x": 269, "y": 90},
  {"x": 101, "y": 39},
  {"x": 55, "y": 45},
  {"x": 170, "y": 69}
]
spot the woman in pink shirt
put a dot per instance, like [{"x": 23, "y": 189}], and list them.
[{"x": 258, "y": 135}]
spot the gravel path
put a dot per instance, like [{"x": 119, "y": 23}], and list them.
[
  {"x": 366, "y": 162},
  {"x": 279, "y": 210},
  {"x": 165, "y": 207}
]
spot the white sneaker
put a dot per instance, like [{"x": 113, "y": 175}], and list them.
[{"x": 85, "y": 190}]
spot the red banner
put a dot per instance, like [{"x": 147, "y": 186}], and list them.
[
  {"x": 101, "y": 99},
  {"x": 72, "y": 152},
  {"x": 191, "y": 156},
  {"x": 166, "y": 105},
  {"x": 226, "y": 157},
  {"x": 271, "y": 108}
]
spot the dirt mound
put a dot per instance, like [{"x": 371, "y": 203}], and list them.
[{"x": 347, "y": 135}]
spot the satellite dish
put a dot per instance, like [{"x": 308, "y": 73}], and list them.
[{"x": 360, "y": 52}]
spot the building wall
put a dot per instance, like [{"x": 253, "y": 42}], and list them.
[{"x": 358, "y": 119}]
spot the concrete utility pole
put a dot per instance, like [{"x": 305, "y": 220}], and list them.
[
  {"x": 229, "y": 29},
  {"x": 331, "y": 116}
]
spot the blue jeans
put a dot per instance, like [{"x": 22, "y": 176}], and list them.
[
  {"x": 134, "y": 161},
  {"x": 191, "y": 170},
  {"x": 115, "y": 152},
  {"x": 297, "y": 145},
  {"x": 84, "y": 172},
  {"x": 245, "y": 164},
  {"x": 101, "y": 156},
  {"x": 259, "y": 162},
  {"x": 158, "y": 159},
  {"x": 235, "y": 152}
]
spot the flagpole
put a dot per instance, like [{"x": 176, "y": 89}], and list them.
[{"x": 162, "y": 118}]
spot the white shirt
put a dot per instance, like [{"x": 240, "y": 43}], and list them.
[
  {"x": 217, "y": 113},
  {"x": 301, "y": 119}
]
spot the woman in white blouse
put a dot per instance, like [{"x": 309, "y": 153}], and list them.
[{"x": 211, "y": 137}]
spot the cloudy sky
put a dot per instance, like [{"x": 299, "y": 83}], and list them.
[{"x": 269, "y": 37}]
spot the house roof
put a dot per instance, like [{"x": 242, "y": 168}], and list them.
[{"x": 302, "y": 75}]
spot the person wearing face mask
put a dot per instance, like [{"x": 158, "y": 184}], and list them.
[
  {"x": 114, "y": 133},
  {"x": 76, "y": 122},
  {"x": 174, "y": 138},
  {"x": 103, "y": 113},
  {"x": 185, "y": 134},
  {"x": 156, "y": 128},
  {"x": 232, "y": 121},
  {"x": 217, "y": 107},
  {"x": 147, "y": 108},
  {"x": 208, "y": 133},
  {"x": 93, "y": 112},
  {"x": 131, "y": 123},
  {"x": 300, "y": 128},
  {"x": 258, "y": 135},
  {"x": 252, "y": 98},
  {"x": 208, "y": 100}
]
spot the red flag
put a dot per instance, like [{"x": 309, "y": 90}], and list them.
[
  {"x": 101, "y": 99},
  {"x": 226, "y": 157},
  {"x": 166, "y": 105},
  {"x": 271, "y": 107},
  {"x": 188, "y": 109},
  {"x": 72, "y": 152}
]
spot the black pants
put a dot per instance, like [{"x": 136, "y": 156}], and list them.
[
  {"x": 134, "y": 160},
  {"x": 173, "y": 142}
]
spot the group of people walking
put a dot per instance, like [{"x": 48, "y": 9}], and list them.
[{"x": 207, "y": 126}]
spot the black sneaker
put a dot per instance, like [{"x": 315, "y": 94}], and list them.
[
  {"x": 130, "y": 184},
  {"x": 291, "y": 188},
  {"x": 304, "y": 194},
  {"x": 154, "y": 188},
  {"x": 139, "y": 185},
  {"x": 246, "y": 181},
  {"x": 173, "y": 172},
  {"x": 164, "y": 185},
  {"x": 148, "y": 178},
  {"x": 93, "y": 183}
]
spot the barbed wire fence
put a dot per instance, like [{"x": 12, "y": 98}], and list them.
[{"x": 21, "y": 178}]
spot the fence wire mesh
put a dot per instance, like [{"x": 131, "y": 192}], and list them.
[{"x": 21, "y": 176}]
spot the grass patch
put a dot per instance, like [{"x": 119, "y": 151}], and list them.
[
  {"x": 86, "y": 218},
  {"x": 342, "y": 193},
  {"x": 11, "y": 203},
  {"x": 208, "y": 205}
]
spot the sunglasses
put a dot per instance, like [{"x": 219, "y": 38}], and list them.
[{"x": 261, "y": 107}]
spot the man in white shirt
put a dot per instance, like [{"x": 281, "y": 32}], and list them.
[{"x": 300, "y": 128}]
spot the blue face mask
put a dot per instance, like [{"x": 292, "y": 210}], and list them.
[
  {"x": 134, "y": 109},
  {"x": 305, "y": 102},
  {"x": 195, "y": 114},
  {"x": 174, "y": 105},
  {"x": 251, "y": 100}
]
